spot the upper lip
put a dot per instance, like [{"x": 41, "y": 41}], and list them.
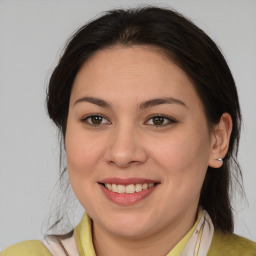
[{"x": 127, "y": 181}]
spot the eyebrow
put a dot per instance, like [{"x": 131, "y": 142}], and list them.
[
  {"x": 96, "y": 101},
  {"x": 143, "y": 105},
  {"x": 160, "y": 101}
]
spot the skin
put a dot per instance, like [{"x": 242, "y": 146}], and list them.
[{"x": 128, "y": 144}]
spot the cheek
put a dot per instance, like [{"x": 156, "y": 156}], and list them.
[
  {"x": 81, "y": 153},
  {"x": 183, "y": 159},
  {"x": 83, "y": 158}
]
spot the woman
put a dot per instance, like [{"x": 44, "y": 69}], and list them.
[{"x": 150, "y": 117}]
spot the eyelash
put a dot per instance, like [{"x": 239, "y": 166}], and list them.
[
  {"x": 85, "y": 120},
  {"x": 167, "y": 120}
]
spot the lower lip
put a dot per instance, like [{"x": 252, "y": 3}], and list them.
[{"x": 126, "y": 198}]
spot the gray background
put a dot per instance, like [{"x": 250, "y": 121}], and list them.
[{"x": 32, "y": 34}]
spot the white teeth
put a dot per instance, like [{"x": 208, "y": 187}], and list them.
[
  {"x": 138, "y": 187},
  {"x": 144, "y": 186},
  {"x": 120, "y": 189},
  {"x": 129, "y": 189},
  {"x": 150, "y": 185},
  {"x": 108, "y": 186},
  {"x": 114, "y": 187}
]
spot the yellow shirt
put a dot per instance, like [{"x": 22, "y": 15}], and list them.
[{"x": 222, "y": 244}]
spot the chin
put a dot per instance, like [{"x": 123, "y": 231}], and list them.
[{"x": 129, "y": 226}]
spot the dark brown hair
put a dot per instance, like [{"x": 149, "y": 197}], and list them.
[{"x": 193, "y": 51}]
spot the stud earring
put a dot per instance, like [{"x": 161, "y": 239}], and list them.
[{"x": 219, "y": 159}]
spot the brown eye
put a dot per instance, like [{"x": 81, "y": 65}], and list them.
[
  {"x": 160, "y": 121},
  {"x": 96, "y": 120}
]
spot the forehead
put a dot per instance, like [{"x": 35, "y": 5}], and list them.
[{"x": 132, "y": 72}]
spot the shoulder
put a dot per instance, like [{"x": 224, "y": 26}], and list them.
[
  {"x": 231, "y": 245},
  {"x": 31, "y": 247}
]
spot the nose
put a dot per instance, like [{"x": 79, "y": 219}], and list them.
[{"x": 125, "y": 148}]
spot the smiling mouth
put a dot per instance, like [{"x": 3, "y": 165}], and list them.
[{"x": 128, "y": 189}]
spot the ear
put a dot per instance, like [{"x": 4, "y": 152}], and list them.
[{"x": 220, "y": 140}]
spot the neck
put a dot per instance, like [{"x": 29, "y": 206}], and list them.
[{"x": 160, "y": 243}]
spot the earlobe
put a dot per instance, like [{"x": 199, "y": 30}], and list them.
[{"x": 220, "y": 141}]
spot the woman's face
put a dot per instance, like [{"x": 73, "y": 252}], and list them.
[{"x": 137, "y": 142}]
